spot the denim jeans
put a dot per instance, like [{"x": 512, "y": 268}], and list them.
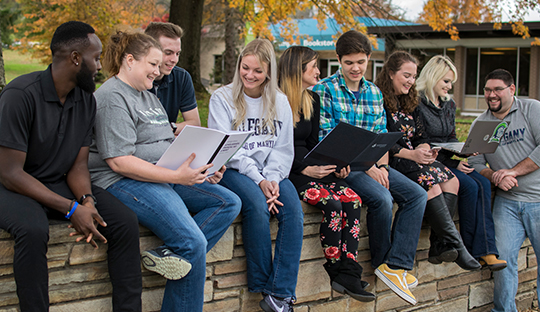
[
  {"x": 392, "y": 244},
  {"x": 475, "y": 219},
  {"x": 277, "y": 277},
  {"x": 514, "y": 221},
  {"x": 160, "y": 208}
]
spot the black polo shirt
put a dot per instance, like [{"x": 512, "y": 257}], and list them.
[{"x": 33, "y": 120}]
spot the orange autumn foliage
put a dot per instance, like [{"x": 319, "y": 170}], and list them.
[{"x": 42, "y": 17}]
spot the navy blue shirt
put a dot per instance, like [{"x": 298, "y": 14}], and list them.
[
  {"x": 175, "y": 92},
  {"x": 34, "y": 121}
]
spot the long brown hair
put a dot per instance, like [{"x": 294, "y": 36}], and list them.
[
  {"x": 123, "y": 43},
  {"x": 407, "y": 102},
  {"x": 292, "y": 64}
]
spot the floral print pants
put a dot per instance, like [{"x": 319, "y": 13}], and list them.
[{"x": 340, "y": 226}]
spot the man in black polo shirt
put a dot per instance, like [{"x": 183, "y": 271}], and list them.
[
  {"x": 173, "y": 86},
  {"x": 46, "y": 121}
]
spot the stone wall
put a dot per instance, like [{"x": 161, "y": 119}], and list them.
[{"x": 78, "y": 277}]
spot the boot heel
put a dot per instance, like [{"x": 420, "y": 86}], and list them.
[{"x": 339, "y": 288}]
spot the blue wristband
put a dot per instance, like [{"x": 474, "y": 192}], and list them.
[{"x": 70, "y": 213}]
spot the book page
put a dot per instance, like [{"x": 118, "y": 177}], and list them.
[
  {"x": 205, "y": 143},
  {"x": 234, "y": 142},
  {"x": 201, "y": 141}
]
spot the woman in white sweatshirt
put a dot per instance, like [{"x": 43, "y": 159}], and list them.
[{"x": 258, "y": 173}]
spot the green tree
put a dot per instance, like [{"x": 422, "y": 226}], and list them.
[{"x": 10, "y": 14}]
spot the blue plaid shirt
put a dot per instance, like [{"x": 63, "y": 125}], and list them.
[{"x": 338, "y": 103}]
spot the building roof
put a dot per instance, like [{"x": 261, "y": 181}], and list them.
[
  {"x": 466, "y": 30},
  {"x": 324, "y": 39}
]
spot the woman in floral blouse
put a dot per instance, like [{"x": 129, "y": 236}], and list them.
[
  {"x": 322, "y": 186},
  {"x": 413, "y": 156}
]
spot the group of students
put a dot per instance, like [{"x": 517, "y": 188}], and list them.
[{"x": 103, "y": 147}]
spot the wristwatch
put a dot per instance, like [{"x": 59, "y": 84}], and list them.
[
  {"x": 86, "y": 196},
  {"x": 385, "y": 166},
  {"x": 174, "y": 127}
]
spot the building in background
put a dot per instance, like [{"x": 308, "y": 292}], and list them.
[
  {"x": 322, "y": 41},
  {"x": 479, "y": 50}
]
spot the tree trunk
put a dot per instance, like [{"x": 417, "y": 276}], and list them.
[
  {"x": 188, "y": 15},
  {"x": 2, "y": 70},
  {"x": 232, "y": 19}
]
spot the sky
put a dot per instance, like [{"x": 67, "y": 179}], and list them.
[{"x": 414, "y": 7}]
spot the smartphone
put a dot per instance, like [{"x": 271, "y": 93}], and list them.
[{"x": 436, "y": 149}]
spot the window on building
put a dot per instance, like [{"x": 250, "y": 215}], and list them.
[
  {"x": 377, "y": 67},
  {"x": 481, "y": 61},
  {"x": 328, "y": 67},
  {"x": 522, "y": 83}
]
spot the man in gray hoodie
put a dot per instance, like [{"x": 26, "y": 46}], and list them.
[{"x": 513, "y": 169}]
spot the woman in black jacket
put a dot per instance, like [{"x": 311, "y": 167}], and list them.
[
  {"x": 438, "y": 111},
  {"x": 322, "y": 186}
]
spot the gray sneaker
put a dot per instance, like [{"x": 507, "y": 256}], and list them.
[
  {"x": 164, "y": 262},
  {"x": 273, "y": 304}
]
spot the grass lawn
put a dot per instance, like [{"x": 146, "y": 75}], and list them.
[{"x": 17, "y": 64}]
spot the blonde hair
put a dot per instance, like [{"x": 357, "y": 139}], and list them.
[
  {"x": 263, "y": 51},
  {"x": 292, "y": 65},
  {"x": 433, "y": 71},
  {"x": 123, "y": 43}
]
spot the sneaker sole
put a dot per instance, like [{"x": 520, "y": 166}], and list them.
[
  {"x": 171, "y": 268},
  {"x": 342, "y": 290},
  {"x": 394, "y": 288},
  {"x": 413, "y": 284},
  {"x": 265, "y": 306}
]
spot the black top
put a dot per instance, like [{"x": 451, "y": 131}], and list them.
[
  {"x": 33, "y": 120},
  {"x": 306, "y": 136},
  {"x": 414, "y": 134},
  {"x": 440, "y": 124},
  {"x": 175, "y": 92},
  {"x": 413, "y": 129}
]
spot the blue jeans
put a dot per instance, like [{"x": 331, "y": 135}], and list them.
[
  {"x": 514, "y": 221},
  {"x": 392, "y": 244},
  {"x": 475, "y": 219},
  {"x": 160, "y": 208},
  {"x": 277, "y": 277}
]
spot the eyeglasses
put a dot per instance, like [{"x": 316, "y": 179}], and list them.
[{"x": 497, "y": 90}]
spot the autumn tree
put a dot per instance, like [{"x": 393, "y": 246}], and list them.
[
  {"x": 441, "y": 15},
  {"x": 234, "y": 15},
  {"x": 42, "y": 17}
]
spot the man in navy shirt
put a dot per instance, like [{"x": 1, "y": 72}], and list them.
[
  {"x": 46, "y": 121},
  {"x": 174, "y": 86}
]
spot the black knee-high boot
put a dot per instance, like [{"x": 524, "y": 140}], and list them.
[
  {"x": 346, "y": 278},
  {"x": 439, "y": 251},
  {"x": 441, "y": 222}
]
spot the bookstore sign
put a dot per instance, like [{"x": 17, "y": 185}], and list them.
[{"x": 316, "y": 44}]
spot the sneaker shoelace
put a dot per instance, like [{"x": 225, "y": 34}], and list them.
[{"x": 406, "y": 286}]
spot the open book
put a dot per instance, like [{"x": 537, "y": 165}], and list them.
[
  {"x": 209, "y": 145},
  {"x": 350, "y": 145}
]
